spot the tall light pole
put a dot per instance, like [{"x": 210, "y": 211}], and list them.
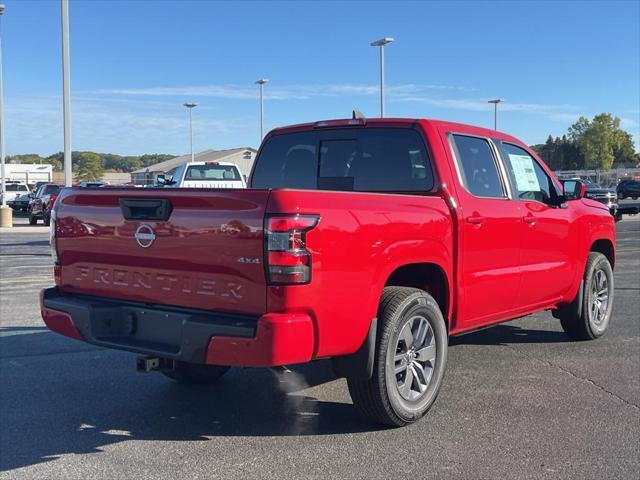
[
  {"x": 190, "y": 106},
  {"x": 495, "y": 111},
  {"x": 6, "y": 214},
  {"x": 261, "y": 82},
  {"x": 66, "y": 94},
  {"x": 381, "y": 43}
]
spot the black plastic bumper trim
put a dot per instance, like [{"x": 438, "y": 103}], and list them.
[{"x": 169, "y": 332}]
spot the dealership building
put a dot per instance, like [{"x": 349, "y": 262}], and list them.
[{"x": 243, "y": 158}]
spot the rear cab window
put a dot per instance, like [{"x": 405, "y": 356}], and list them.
[
  {"x": 212, "y": 171},
  {"x": 372, "y": 159}
]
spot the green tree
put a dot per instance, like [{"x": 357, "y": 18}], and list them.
[
  {"x": 89, "y": 166},
  {"x": 598, "y": 140}
]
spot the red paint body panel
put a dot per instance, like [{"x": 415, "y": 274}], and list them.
[
  {"x": 281, "y": 339},
  {"x": 519, "y": 257},
  {"x": 58, "y": 322},
  {"x": 193, "y": 261}
]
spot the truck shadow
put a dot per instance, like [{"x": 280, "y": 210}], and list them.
[
  {"x": 64, "y": 397},
  {"x": 504, "y": 334}
]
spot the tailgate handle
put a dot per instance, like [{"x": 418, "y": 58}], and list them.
[{"x": 146, "y": 208}]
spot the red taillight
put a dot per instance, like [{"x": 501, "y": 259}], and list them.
[
  {"x": 52, "y": 200},
  {"x": 288, "y": 260}
]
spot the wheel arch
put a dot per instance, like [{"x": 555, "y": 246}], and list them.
[
  {"x": 427, "y": 276},
  {"x": 605, "y": 247}
]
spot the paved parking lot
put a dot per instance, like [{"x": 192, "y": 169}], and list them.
[{"x": 519, "y": 401}]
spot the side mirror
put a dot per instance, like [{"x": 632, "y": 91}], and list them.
[{"x": 573, "y": 189}]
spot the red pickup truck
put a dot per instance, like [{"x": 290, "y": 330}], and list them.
[{"x": 368, "y": 241}]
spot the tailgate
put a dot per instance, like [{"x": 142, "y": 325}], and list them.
[{"x": 189, "y": 248}]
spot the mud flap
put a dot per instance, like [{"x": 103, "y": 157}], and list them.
[
  {"x": 574, "y": 308},
  {"x": 358, "y": 365}
]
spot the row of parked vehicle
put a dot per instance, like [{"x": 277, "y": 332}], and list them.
[
  {"x": 39, "y": 201},
  {"x": 611, "y": 196}
]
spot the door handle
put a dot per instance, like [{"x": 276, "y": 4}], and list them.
[
  {"x": 475, "y": 219},
  {"x": 530, "y": 219}
]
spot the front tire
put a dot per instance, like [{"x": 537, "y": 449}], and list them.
[
  {"x": 410, "y": 359},
  {"x": 32, "y": 219},
  {"x": 195, "y": 374},
  {"x": 589, "y": 315}
]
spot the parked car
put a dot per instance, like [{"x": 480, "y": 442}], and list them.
[
  {"x": 204, "y": 175},
  {"x": 607, "y": 196},
  {"x": 40, "y": 207},
  {"x": 22, "y": 202},
  {"x": 14, "y": 189},
  {"x": 628, "y": 188},
  {"x": 366, "y": 241}
]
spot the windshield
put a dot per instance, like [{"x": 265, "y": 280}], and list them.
[
  {"x": 212, "y": 172},
  {"x": 16, "y": 187},
  {"x": 49, "y": 189}
]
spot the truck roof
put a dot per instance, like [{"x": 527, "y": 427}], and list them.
[{"x": 379, "y": 122}]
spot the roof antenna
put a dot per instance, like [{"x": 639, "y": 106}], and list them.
[{"x": 356, "y": 115}]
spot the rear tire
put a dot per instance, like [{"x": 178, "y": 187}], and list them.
[
  {"x": 193, "y": 373},
  {"x": 409, "y": 361},
  {"x": 589, "y": 315},
  {"x": 46, "y": 219}
]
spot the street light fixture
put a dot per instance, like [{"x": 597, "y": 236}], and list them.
[
  {"x": 381, "y": 43},
  {"x": 261, "y": 82},
  {"x": 495, "y": 111},
  {"x": 190, "y": 106},
  {"x": 6, "y": 214}
]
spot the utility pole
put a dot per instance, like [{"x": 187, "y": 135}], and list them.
[
  {"x": 381, "y": 43},
  {"x": 190, "y": 106},
  {"x": 6, "y": 214},
  {"x": 261, "y": 82},
  {"x": 495, "y": 111},
  {"x": 66, "y": 94}
]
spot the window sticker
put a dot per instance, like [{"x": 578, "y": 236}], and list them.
[{"x": 523, "y": 170}]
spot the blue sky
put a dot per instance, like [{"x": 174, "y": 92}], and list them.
[{"x": 133, "y": 64}]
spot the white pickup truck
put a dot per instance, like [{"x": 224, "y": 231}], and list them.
[{"x": 206, "y": 175}]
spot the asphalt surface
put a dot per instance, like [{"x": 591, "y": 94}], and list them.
[{"x": 519, "y": 401}]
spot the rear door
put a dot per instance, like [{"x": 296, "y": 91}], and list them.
[
  {"x": 490, "y": 232},
  {"x": 189, "y": 248}
]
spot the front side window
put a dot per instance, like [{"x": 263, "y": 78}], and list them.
[
  {"x": 478, "y": 167},
  {"x": 212, "y": 171},
  {"x": 529, "y": 180}
]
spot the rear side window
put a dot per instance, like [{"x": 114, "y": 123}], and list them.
[
  {"x": 477, "y": 167},
  {"x": 212, "y": 172},
  {"x": 364, "y": 159},
  {"x": 49, "y": 189}
]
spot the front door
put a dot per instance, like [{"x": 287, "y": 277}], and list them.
[{"x": 548, "y": 240}]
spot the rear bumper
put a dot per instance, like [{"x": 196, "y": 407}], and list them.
[{"x": 188, "y": 335}]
